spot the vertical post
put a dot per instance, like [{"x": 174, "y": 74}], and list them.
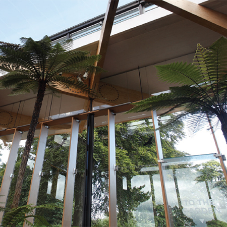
[
  {"x": 141, "y": 7},
  {"x": 112, "y": 171},
  {"x": 160, "y": 157},
  {"x": 35, "y": 182},
  {"x": 7, "y": 178},
  {"x": 88, "y": 171},
  {"x": 70, "y": 177}
]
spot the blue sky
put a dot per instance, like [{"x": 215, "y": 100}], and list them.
[{"x": 37, "y": 18}]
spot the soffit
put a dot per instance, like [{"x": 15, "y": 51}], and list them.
[{"x": 157, "y": 42}]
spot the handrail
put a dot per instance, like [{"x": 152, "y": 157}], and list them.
[{"x": 98, "y": 20}]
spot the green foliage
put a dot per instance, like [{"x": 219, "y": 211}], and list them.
[
  {"x": 26, "y": 184},
  {"x": 180, "y": 219},
  {"x": 100, "y": 222},
  {"x": 33, "y": 61},
  {"x": 216, "y": 223},
  {"x": 209, "y": 171},
  {"x": 203, "y": 87},
  {"x": 20, "y": 214},
  {"x": 133, "y": 153}
]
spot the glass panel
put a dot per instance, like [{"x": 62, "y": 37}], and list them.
[
  {"x": 77, "y": 214},
  {"x": 192, "y": 137},
  {"x": 139, "y": 195},
  {"x": 27, "y": 176},
  {"x": 99, "y": 215},
  {"x": 196, "y": 191},
  {"x": 100, "y": 189},
  {"x": 4, "y": 155},
  {"x": 52, "y": 183}
]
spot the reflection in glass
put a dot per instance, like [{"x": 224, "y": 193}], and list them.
[
  {"x": 139, "y": 196},
  {"x": 52, "y": 183},
  {"x": 196, "y": 191}
]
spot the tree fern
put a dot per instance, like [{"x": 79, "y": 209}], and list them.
[
  {"x": 203, "y": 83},
  {"x": 37, "y": 66}
]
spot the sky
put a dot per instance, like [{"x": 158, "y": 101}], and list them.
[{"x": 37, "y": 18}]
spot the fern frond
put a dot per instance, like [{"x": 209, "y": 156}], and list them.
[
  {"x": 14, "y": 78},
  {"x": 180, "y": 73},
  {"x": 68, "y": 82},
  {"x": 25, "y": 87}
]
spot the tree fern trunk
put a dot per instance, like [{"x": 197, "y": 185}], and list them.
[
  {"x": 209, "y": 196},
  {"x": 177, "y": 189},
  {"x": 153, "y": 200},
  {"x": 223, "y": 119},
  {"x": 30, "y": 137}
]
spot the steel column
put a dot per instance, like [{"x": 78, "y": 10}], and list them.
[
  {"x": 35, "y": 182},
  {"x": 160, "y": 158},
  {"x": 112, "y": 170},
  {"x": 7, "y": 178},
  {"x": 70, "y": 177},
  {"x": 89, "y": 169}
]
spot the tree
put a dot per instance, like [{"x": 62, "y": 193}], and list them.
[
  {"x": 35, "y": 66},
  {"x": 203, "y": 87},
  {"x": 209, "y": 172}
]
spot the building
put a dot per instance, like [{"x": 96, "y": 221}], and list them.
[{"x": 143, "y": 34}]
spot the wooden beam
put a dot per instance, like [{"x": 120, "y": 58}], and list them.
[
  {"x": 201, "y": 15},
  {"x": 104, "y": 40},
  {"x": 109, "y": 94},
  {"x": 67, "y": 120}
]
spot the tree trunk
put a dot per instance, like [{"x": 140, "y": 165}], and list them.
[
  {"x": 153, "y": 200},
  {"x": 30, "y": 137},
  {"x": 79, "y": 199},
  {"x": 177, "y": 189},
  {"x": 55, "y": 175},
  {"x": 209, "y": 196},
  {"x": 223, "y": 119}
]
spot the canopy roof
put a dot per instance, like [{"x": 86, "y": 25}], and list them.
[{"x": 140, "y": 39}]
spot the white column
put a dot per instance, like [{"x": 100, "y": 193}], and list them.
[
  {"x": 160, "y": 158},
  {"x": 8, "y": 175},
  {"x": 35, "y": 182},
  {"x": 112, "y": 171},
  {"x": 70, "y": 177}
]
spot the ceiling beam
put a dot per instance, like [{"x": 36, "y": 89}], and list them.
[
  {"x": 201, "y": 15},
  {"x": 104, "y": 40},
  {"x": 102, "y": 49},
  {"x": 67, "y": 120}
]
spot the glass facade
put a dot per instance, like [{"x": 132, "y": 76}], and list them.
[
  {"x": 53, "y": 177},
  {"x": 196, "y": 191},
  {"x": 195, "y": 186}
]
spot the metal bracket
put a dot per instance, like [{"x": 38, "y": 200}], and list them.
[
  {"x": 74, "y": 171},
  {"x": 116, "y": 168},
  {"x": 220, "y": 155},
  {"x": 161, "y": 161}
]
